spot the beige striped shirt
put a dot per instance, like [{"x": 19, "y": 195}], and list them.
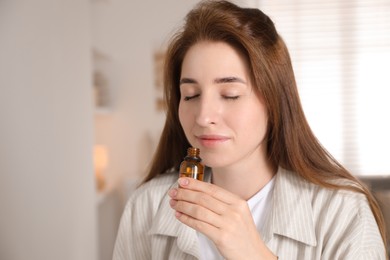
[{"x": 306, "y": 222}]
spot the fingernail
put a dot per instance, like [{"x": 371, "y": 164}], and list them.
[
  {"x": 172, "y": 203},
  {"x": 172, "y": 193},
  {"x": 183, "y": 181}
]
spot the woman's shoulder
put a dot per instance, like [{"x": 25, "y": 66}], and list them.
[
  {"x": 344, "y": 189},
  {"x": 324, "y": 200},
  {"x": 343, "y": 209},
  {"x": 330, "y": 214}
]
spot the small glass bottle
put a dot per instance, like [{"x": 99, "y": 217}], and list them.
[{"x": 191, "y": 166}]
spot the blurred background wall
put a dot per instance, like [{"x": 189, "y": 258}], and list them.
[
  {"x": 47, "y": 191},
  {"x": 81, "y": 114}
]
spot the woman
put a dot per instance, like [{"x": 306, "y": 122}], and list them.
[{"x": 271, "y": 190}]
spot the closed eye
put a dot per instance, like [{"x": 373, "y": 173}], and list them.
[
  {"x": 231, "y": 97},
  {"x": 187, "y": 98}
]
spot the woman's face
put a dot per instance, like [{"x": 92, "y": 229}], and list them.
[{"x": 219, "y": 110}]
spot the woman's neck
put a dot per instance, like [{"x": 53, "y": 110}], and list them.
[{"x": 244, "y": 181}]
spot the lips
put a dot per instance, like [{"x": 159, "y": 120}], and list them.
[{"x": 211, "y": 140}]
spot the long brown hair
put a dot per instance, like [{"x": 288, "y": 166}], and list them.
[{"x": 291, "y": 143}]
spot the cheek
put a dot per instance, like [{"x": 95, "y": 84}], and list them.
[
  {"x": 250, "y": 118},
  {"x": 183, "y": 117}
]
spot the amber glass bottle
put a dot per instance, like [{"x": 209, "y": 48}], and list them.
[{"x": 191, "y": 166}]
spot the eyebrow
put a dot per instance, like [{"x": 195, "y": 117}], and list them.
[
  {"x": 229, "y": 80},
  {"x": 217, "y": 80},
  {"x": 187, "y": 81}
]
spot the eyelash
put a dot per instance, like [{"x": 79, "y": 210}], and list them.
[
  {"x": 231, "y": 97},
  {"x": 187, "y": 98}
]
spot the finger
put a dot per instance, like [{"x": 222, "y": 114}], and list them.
[
  {"x": 199, "y": 198},
  {"x": 209, "y": 188},
  {"x": 215, "y": 234},
  {"x": 205, "y": 228},
  {"x": 197, "y": 212}
]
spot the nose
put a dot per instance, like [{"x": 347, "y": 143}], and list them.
[{"x": 208, "y": 111}]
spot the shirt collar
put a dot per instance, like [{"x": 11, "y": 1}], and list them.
[{"x": 292, "y": 213}]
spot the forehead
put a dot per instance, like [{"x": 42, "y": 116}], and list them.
[{"x": 214, "y": 57}]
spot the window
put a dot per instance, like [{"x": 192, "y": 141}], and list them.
[{"x": 341, "y": 57}]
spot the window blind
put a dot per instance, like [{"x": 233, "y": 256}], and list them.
[{"x": 341, "y": 56}]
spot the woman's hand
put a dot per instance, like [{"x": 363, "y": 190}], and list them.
[{"x": 221, "y": 216}]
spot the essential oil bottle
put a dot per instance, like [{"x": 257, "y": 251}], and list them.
[{"x": 191, "y": 166}]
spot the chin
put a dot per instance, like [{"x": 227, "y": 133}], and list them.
[
  {"x": 213, "y": 159},
  {"x": 213, "y": 164}
]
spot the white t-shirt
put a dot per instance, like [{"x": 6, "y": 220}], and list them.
[{"x": 258, "y": 206}]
